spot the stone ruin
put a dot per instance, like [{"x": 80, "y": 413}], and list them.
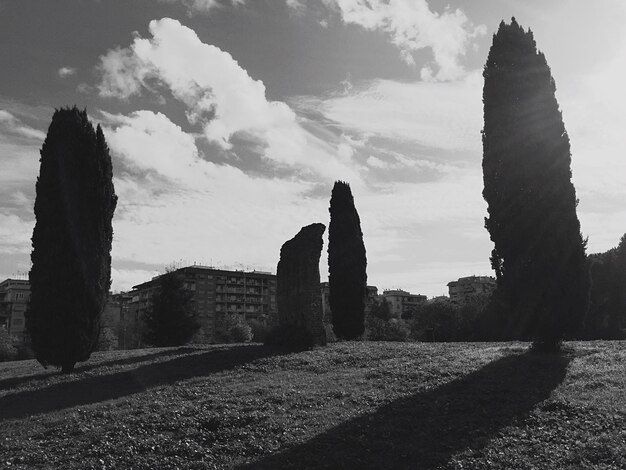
[{"x": 298, "y": 295}]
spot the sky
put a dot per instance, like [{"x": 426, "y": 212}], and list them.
[{"x": 229, "y": 121}]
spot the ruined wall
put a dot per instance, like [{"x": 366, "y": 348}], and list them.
[{"x": 298, "y": 293}]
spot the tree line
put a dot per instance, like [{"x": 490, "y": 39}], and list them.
[{"x": 539, "y": 257}]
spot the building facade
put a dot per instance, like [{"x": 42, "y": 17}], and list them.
[
  {"x": 464, "y": 288},
  {"x": 14, "y": 298},
  {"x": 402, "y": 302},
  {"x": 216, "y": 293}
]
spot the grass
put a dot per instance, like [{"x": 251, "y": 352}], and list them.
[{"x": 350, "y": 405}]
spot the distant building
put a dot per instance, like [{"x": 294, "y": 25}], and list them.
[
  {"x": 216, "y": 293},
  {"x": 14, "y": 298},
  {"x": 465, "y": 287},
  {"x": 402, "y": 302},
  {"x": 372, "y": 294},
  {"x": 115, "y": 318}
]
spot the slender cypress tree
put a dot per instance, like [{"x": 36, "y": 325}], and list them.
[
  {"x": 170, "y": 319},
  {"x": 539, "y": 253},
  {"x": 347, "y": 265},
  {"x": 71, "y": 258}
]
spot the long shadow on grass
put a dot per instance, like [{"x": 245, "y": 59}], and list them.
[
  {"x": 107, "y": 387},
  {"x": 424, "y": 430},
  {"x": 12, "y": 382}
]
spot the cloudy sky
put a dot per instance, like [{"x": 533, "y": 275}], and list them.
[{"x": 229, "y": 121}]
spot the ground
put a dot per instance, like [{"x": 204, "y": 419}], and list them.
[{"x": 349, "y": 405}]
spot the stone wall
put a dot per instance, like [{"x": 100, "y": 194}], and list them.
[{"x": 298, "y": 282}]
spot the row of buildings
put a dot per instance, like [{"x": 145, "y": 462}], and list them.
[{"x": 216, "y": 293}]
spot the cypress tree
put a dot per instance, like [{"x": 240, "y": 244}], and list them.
[
  {"x": 347, "y": 277},
  {"x": 539, "y": 253},
  {"x": 70, "y": 275},
  {"x": 170, "y": 319}
]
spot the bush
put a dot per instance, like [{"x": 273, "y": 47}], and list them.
[
  {"x": 236, "y": 330},
  {"x": 8, "y": 351},
  {"x": 259, "y": 330},
  {"x": 392, "y": 330},
  {"x": 290, "y": 337},
  {"x": 108, "y": 340}
]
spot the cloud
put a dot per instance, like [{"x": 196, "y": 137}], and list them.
[
  {"x": 15, "y": 234},
  {"x": 219, "y": 95},
  {"x": 65, "y": 72},
  {"x": 12, "y": 126},
  {"x": 205, "y": 6},
  {"x": 412, "y": 26},
  {"x": 445, "y": 116}
]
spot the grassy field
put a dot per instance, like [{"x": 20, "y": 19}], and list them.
[{"x": 350, "y": 405}]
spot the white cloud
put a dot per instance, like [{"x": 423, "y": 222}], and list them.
[
  {"x": 204, "y": 6},
  {"x": 412, "y": 26},
  {"x": 65, "y": 72},
  {"x": 446, "y": 115},
  {"x": 10, "y": 125},
  {"x": 219, "y": 95},
  {"x": 15, "y": 234}
]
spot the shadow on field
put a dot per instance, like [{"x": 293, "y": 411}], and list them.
[
  {"x": 424, "y": 430},
  {"x": 111, "y": 386},
  {"x": 15, "y": 381}
]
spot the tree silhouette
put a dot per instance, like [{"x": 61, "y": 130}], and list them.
[
  {"x": 539, "y": 253},
  {"x": 347, "y": 277},
  {"x": 170, "y": 319},
  {"x": 71, "y": 258}
]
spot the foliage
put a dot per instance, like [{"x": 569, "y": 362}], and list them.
[
  {"x": 259, "y": 329},
  {"x": 170, "y": 319},
  {"x": 8, "y": 351},
  {"x": 108, "y": 340},
  {"x": 539, "y": 253},
  {"x": 607, "y": 311},
  {"x": 236, "y": 330},
  {"x": 347, "y": 265},
  {"x": 391, "y": 330},
  {"x": 71, "y": 258},
  {"x": 290, "y": 337},
  {"x": 436, "y": 320}
]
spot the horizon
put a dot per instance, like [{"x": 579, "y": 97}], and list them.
[{"x": 229, "y": 121}]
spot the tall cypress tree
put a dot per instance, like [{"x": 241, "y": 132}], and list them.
[
  {"x": 347, "y": 265},
  {"x": 539, "y": 253},
  {"x": 71, "y": 258}
]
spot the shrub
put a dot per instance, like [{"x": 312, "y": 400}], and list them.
[
  {"x": 8, "y": 352},
  {"x": 108, "y": 340},
  {"x": 290, "y": 337},
  {"x": 236, "y": 330},
  {"x": 259, "y": 330},
  {"x": 391, "y": 330}
]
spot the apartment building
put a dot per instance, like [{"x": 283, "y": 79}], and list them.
[
  {"x": 14, "y": 298},
  {"x": 216, "y": 293},
  {"x": 402, "y": 302},
  {"x": 465, "y": 287}
]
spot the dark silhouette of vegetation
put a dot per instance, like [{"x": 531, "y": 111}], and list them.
[
  {"x": 539, "y": 254},
  {"x": 347, "y": 264},
  {"x": 607, "y": 311},
  {"x": 426, "y": 429},
  {"x": 235, "y": 330},
  {"x": 71, "y": 258},
  {"x": 170, "y": 319}
]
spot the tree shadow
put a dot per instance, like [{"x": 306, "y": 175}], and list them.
[
  {"x": 424, "y": 430},
  {"x": 12, "y": 382},
  {"x": 108, "y": 387}
]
